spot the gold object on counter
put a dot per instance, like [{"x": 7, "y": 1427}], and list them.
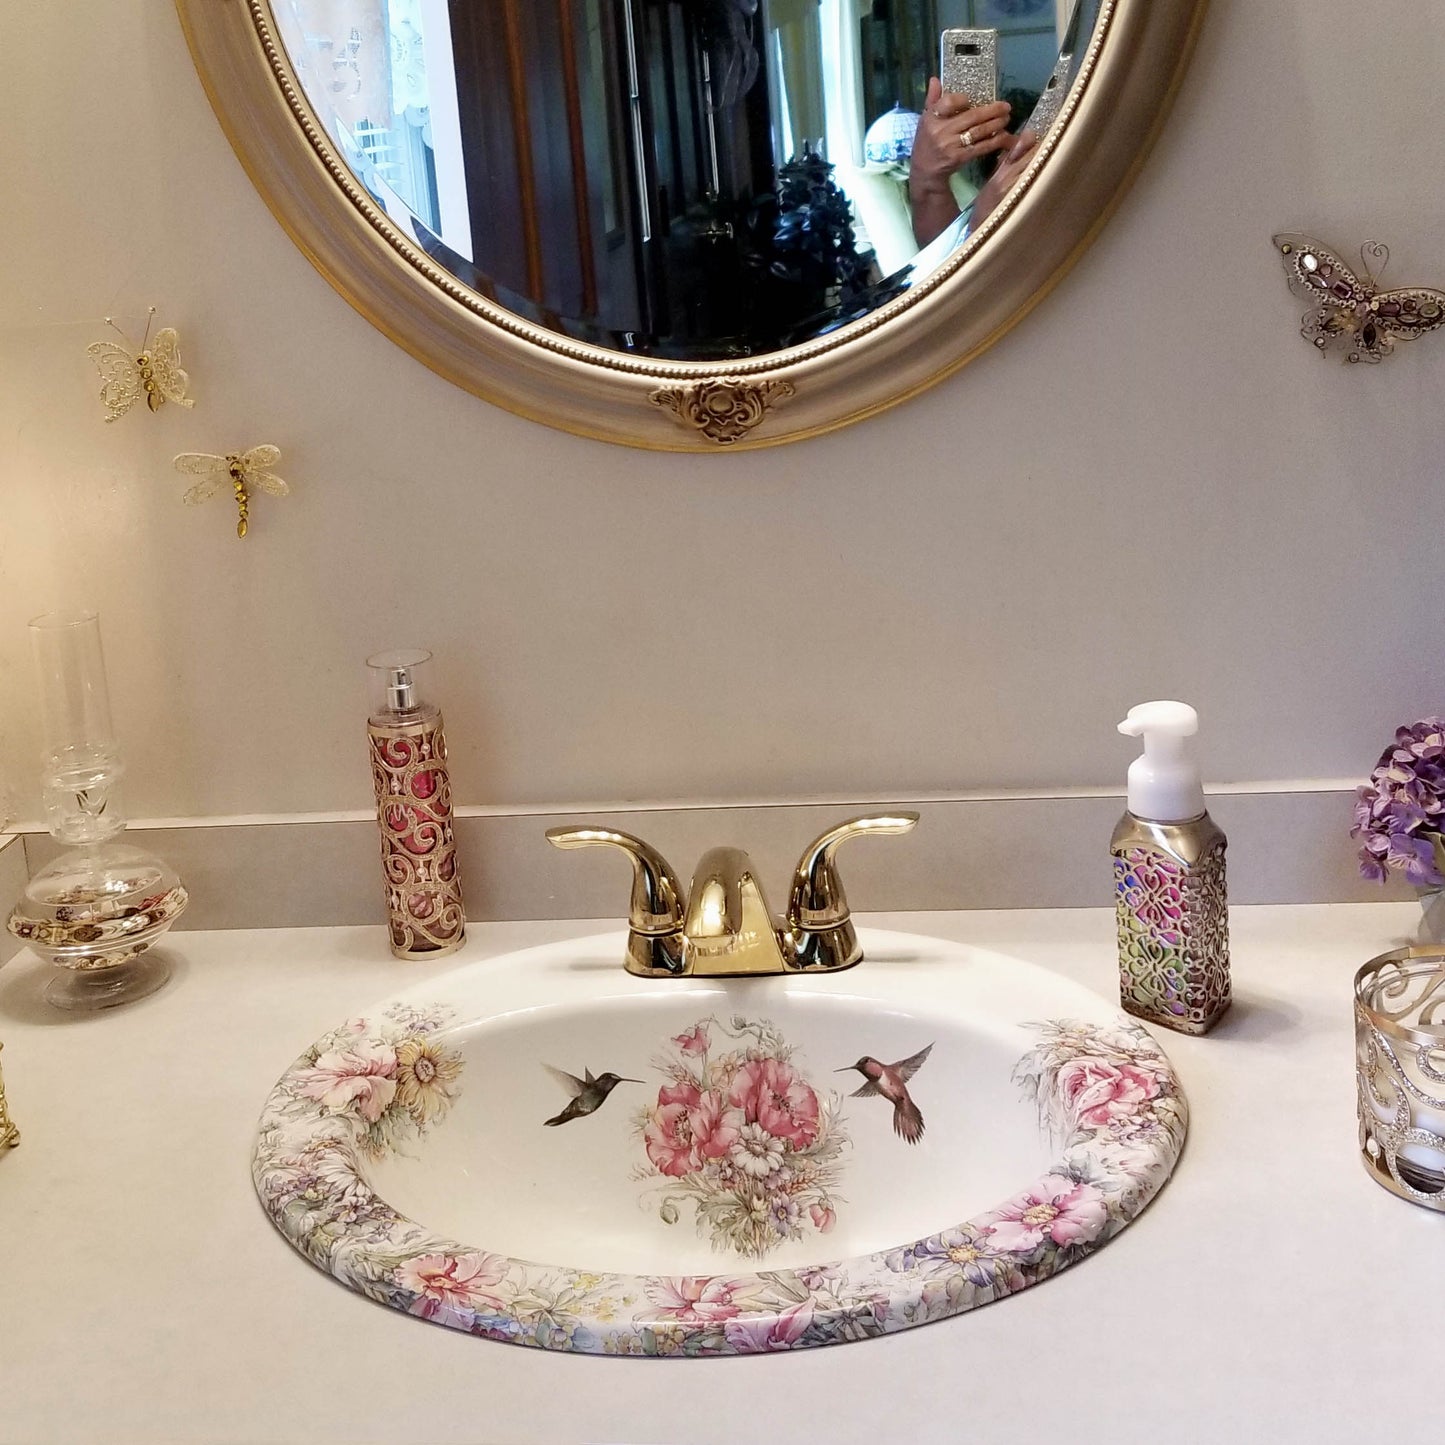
[
  {"x": 9, "y": 1134},
  {"x": 726, "y": 929},
  {"x": 1400, "y": 1071}
]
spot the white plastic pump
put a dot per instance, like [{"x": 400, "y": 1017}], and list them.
[{"x": 1164, "y": 782}]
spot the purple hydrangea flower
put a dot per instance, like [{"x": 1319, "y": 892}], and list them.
[{"x": 1400, "y": 812}]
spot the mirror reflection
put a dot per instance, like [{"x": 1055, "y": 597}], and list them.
[{"x": 687, "y": 179}]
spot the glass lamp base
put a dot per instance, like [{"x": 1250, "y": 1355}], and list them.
[{"x": 85, "y": 989}]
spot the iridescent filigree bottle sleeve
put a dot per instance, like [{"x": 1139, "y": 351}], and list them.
[
  {"x": 418, "y": 853},
  {"x": 1173, "y": 923}
]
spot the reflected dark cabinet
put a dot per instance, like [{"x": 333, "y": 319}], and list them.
[
  {"x": 542, "y": 122},
  {"x": 629, "y": 136},
  {"x": 899, "y": 52},
  {"x": 706, "y": 105}
]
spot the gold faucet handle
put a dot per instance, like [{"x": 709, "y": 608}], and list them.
[
  {"x": 817, "y": 900},
  {"x": 656, "y": 906}
]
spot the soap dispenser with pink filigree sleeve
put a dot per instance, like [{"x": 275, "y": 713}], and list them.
[{"x": 425, "y": 917}]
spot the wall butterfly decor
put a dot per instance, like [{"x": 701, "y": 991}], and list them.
[
  {"x": 1351, "y": 315},
  {"x": 129, "y": 373},
  {"x": 238, "y": 470}
]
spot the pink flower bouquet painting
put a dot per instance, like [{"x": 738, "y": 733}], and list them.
[{"x": 739, "y": 1138}]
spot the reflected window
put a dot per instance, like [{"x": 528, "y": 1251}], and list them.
[{"x": 370, "y": 69}]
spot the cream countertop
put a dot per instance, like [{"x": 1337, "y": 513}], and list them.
[{"x": 145, "y": 1297}]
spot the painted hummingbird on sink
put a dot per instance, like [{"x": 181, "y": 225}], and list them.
[
  {"x": 588, "y": 1094},
  {"x": 891, "y": 1081}
]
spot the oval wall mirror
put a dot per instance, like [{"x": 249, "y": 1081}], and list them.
[{"x": 691, "y": 224}]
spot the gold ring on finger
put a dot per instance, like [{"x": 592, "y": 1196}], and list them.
[{"x": 967, "y": 138}]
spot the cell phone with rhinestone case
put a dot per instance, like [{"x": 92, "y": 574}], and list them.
[
  {"x": 1051, "y": 102},
  {"x": 968, "y": 64}
]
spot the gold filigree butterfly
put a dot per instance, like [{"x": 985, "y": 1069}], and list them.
[
  {"x": 1351, "y": 314},
  {"x": 240, "y": 470},
  {"x": 127, "y": 374}
]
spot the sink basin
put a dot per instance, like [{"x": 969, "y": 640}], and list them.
[{"x": 545, "y": 1150}]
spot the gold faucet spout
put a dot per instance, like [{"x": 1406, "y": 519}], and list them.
[{"x": 729, "y": 928}]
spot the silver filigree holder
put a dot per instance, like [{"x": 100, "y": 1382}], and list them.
[{"x": 1400, "y": 1071}]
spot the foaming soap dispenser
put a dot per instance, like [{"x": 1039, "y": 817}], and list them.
[
  {"x": 1169, "y": 889},
  {"x": 424, "y": 911}
]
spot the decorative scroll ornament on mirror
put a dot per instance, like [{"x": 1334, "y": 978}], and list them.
[
  {"x": 591, "y": 211},
  {"x": 726, "y": 410}
]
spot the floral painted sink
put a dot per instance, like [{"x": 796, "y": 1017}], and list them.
[{"x": 546, "y": 1150}]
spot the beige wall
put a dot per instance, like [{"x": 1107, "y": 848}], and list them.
[{"x": 1150, "y": 487}]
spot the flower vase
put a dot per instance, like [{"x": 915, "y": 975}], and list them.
[{"x": 1432, "y": 916}]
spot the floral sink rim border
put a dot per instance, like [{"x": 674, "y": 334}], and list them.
[{"x": 1107, "y": 1093}]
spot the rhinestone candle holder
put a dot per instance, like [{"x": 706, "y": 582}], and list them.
[{"x": 1400, "y": 1071}]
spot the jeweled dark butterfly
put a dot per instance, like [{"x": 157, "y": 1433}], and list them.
[{"x": 1351, "y": 314}]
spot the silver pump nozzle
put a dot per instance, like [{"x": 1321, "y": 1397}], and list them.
[
  {"x": 400, "y": 689},
  {"x": 398, "y": 680}
]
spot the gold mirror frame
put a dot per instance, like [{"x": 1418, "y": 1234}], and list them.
[{"x": 1126, "y": 82}]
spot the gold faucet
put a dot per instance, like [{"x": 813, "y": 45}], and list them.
[{"x": 727, "y": 928}]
